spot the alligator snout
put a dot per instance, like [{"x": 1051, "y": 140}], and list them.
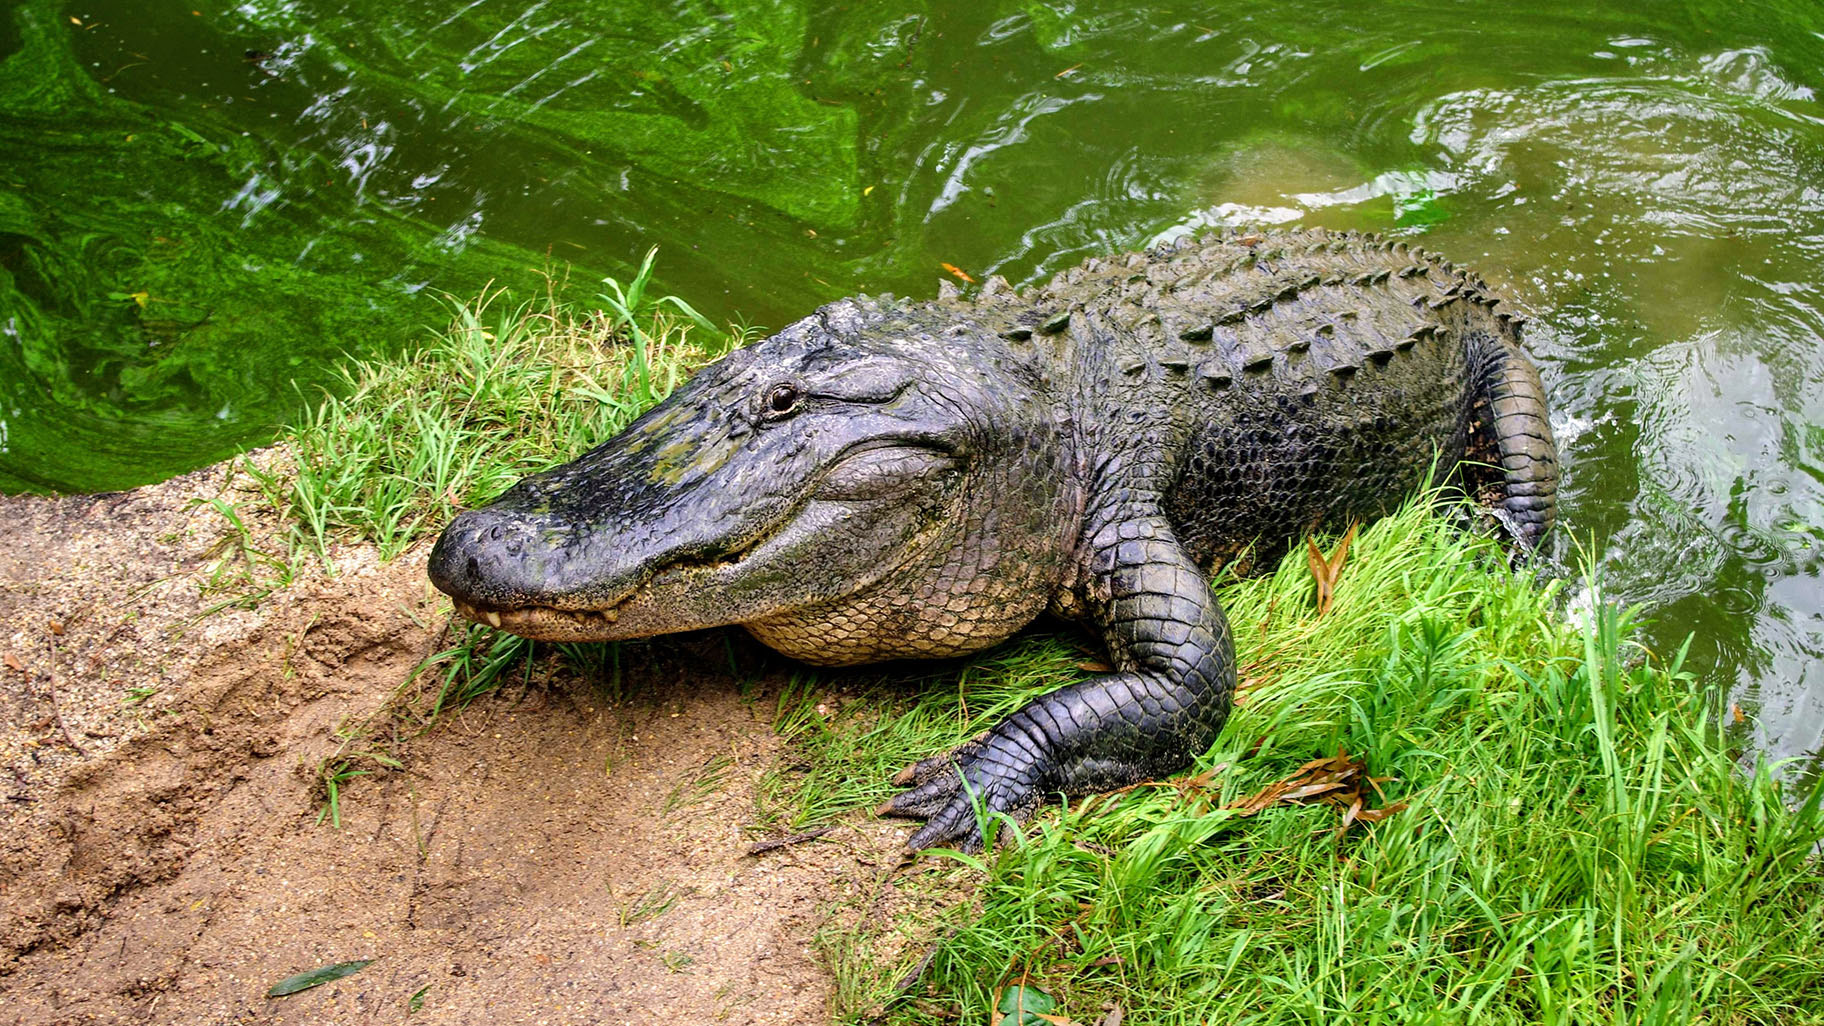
[{"x": 494, "y": 558}]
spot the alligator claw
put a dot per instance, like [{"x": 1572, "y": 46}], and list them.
[{"x": 945, "y": 791}]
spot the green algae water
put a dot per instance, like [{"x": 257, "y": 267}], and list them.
[{"x": 203, "y": 208}]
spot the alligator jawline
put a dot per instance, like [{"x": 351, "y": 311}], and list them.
[{"x": 508, "y": 619}]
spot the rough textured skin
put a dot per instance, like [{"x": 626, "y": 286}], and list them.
[{"x": 887, "y": 479}]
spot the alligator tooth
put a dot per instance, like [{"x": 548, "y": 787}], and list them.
[
  {"x": 995, "y": 285},
  {"x": 947, "y": 289},
  {"x": 493, "y": 618}
]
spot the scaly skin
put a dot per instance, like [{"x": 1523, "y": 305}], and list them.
[{"x": 888, "y": 480}]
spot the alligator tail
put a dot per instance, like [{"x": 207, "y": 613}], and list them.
[{"x": 1514, "y": 418}]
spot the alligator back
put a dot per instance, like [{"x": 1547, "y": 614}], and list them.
[{"x": 1284, "y": 381}]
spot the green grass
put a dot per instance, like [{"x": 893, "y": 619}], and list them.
[
  {"x": 1579, "y": 845},
  {"x": 504, "y": 391}
]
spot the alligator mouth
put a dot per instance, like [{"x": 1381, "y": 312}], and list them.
[{"x": 545, "y": 623}]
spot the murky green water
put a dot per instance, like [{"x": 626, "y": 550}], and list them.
[{"x": 202, "y": 207}]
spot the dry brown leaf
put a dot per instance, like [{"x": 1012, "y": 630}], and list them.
[
  {"x": 1067, "y": 71},
  {"x": 1094, "y": 666},
  {"x": 1376, "y": 815},
  {"x": 1326, "y": 569},
  {"x": 1336, "y": 780},
  {"x": 13, "y": 663},
  {"x": 959, "y": 272}
]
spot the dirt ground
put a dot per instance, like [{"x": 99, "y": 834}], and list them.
[{"x": 541, "y": 858}]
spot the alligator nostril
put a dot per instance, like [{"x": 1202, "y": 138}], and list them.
[
  {"x": 474, "y": 568},
  {"x": 494, "y": 532}
]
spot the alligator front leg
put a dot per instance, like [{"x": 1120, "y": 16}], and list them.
[{"x": 1175, "y": 680}]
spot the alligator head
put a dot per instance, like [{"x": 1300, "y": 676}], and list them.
[{"x": 821, "y": 487}]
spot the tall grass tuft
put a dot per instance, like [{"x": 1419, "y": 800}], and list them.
[
  {"x": 505, "y": 390},
  {"x": 1578, "y": 844}
]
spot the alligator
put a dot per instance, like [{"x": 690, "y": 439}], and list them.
[{"x": 890, "y": 479}]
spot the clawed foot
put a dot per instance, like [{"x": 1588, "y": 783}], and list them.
[{"x": 945, "y": 791}]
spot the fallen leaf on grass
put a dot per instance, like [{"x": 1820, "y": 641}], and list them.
[
  {"x": 959, "y": 272},
  {"x": 1325, "y": 570},
  {"x": 1021, "y": 1005},
  {"x": 317, "y": 977},
  {"x": 1334, "y": 781}
]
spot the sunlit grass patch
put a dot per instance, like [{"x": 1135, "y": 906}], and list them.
[
  {"x": 1578, "y": 845},
  {"x": 503, "y": 391}
]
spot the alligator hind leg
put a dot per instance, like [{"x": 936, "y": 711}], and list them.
[
  {"x": 1175, "y": 660},
  {"x": 1513, "y": 418}
]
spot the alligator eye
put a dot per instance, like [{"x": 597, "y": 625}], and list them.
[{"x": 783, "y": 400}]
